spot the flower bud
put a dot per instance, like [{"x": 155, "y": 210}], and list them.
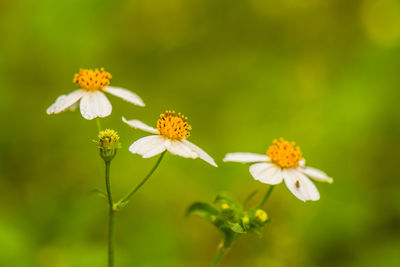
[
  {"x": 261, "y": 216},
  {"x": 108, "y": 142},
  {"x": 225, "y": 206},
  {"x": 245, "y": 220}
]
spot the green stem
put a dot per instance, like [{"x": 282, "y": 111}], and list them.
[
  {"x": 111, "y": 237},
  {"x": 222, "y": 250},
  {"x": 108, "y": 185},
  {"x": 98, "y": 124},
  {"x": 125, "y": 199},
  {"x": 249, "y": 197},
  {"x": 266, "y": 196},
  {"x": 111, "y": 218}
]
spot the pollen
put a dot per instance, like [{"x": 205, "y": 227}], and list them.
[
  {"x": 285, "y": 154},
  {"x": 92, "y": 80},
  {"x": 173, "y": 126}
]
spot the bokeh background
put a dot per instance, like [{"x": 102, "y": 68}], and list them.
[{"x": 324, "y": 73}]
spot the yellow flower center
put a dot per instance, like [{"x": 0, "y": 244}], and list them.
[
  {"x": 173, "y": 126},
  {"x": 92, "y": 80},
  {"x": 284, "y": 153}
]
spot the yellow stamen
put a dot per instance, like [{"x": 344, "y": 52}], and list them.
[
  {"x": 284, "y": 153},
  {"x": 261, "y": 215},
  {"x": 173, "y": 126},
  {"x": 92, "y": 80}
]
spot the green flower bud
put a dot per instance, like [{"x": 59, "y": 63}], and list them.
[
  {"x": 245, "y": 221},
  {"x": 108, "y": 143},
  {"x": 225, "y": 206},
  {"x": 261, "y": 216}
]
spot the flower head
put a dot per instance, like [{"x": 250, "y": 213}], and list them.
[
  {"x": 171, "y": 133},
  {"x": 90, "y": 97},
  {"x": 172, "y": 126},
  {"x": 283, "y": 162},
  {"x": 108, "y": 143},
  {"x": 284, "y": 153},
  {"x": 92, "y": 80}
]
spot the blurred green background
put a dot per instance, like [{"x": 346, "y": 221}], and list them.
[{"x": 324, "y": 73}]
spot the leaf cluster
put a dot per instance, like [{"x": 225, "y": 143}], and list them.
[{"x": 230, "y": 217}]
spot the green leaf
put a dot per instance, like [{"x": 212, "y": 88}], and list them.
[
  {"x": 98, "y": 192},
  {"x": 225, "y": 197},
  {"x": 237, "y": 228},
  {"x": 203, "y": 210}
]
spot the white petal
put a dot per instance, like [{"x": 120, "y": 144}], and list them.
[
  {"x": 125, "y": 95},
  {"x": 300, "y": 185},
  {"x": 74, "y": 106},
  {"x": 302, "y": 163},
  {"x": 140, "y": 125},
  {"x": 95, "y": 104},
  {"x": 148, "y": 146},
  {"x": 316, "y": 174},
  {"x": 266, "y": 173},
  {"x": 178, "y": 148},
  {"x": 202, "y": 154},
  {"x": 245, "y": 157},
  {"x": 65, "y": 101}
]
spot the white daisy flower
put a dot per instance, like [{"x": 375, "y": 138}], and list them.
[
  {"x": 283, "y": 162},
  {"x": 171, "y": 133},
  {"x": 90, "y": 97}
]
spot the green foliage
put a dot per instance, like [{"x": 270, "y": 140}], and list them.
[
  {"x": 230, "y": 217},
  {"x": 322, "y": 73},
  {"x": 237, "y": 228},
  {"x": 204, "y": 210},
  {"x": 98, "y": 192}
]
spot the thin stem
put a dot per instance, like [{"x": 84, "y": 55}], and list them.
[
  {"x": 133, "y": 191},
  {"x": 111, "y": 218},
  {"x": 111, "y": 237},
  {"x": 266, "y": 196},
  {"x": 98, "y": 124},
  {"x": 108, "y": 185},
  {"x": 222, "y": 250},
  {"x": 249, "y": 197}
]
